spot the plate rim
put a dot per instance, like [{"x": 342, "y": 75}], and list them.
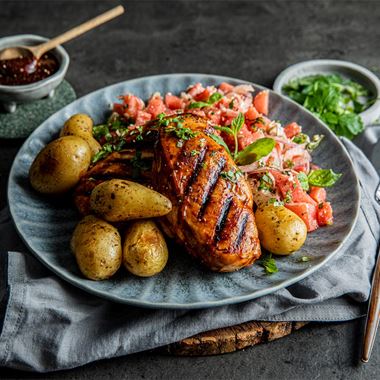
[{"x": 199, "y": 304}]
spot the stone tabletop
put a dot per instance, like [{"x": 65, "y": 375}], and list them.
[{"x": 252, "y": 40}]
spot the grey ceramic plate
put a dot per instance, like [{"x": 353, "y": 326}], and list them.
[{"x": 46, "y": 226}]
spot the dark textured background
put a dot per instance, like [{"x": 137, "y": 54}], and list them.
[{"x": 250, "y": 40}]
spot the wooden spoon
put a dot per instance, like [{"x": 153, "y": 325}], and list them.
[{"x": 39, "y": 50}]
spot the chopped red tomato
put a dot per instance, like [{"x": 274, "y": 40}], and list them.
[
  {"x": 307, "y": 212},
  {"x": 226, "y": 87},
  {"x": 318, "y": 194},
  {"x": 324, "y": 214},
  {"x": 214, "y": 116},
  {"x": 245, "y": 137},
  {"x": 291, "y": 189},
  {"x": 142, "y": 117},
  {"x": 202, "y": 96},
  {"x": 292, "y": 130},
  {"x": 252, "y": 113},
  {"x": 261, "y": 102},
  {"x": 174, "y": 102},
  {"x": 132, "y": 104},
  {"x": 155, "y": 106},
  {"x": 197, "y": 88},
  {"x": 119, "y": 108}
]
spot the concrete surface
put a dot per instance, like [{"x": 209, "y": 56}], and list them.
[{"x": 251, "y": 40}]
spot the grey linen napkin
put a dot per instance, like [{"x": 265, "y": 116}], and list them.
[{"x": 50, "y": 325}]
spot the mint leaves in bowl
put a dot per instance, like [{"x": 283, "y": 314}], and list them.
[{"x": 342, "y": 94}]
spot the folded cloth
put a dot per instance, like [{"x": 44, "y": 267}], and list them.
[{"x": 51, "y": 325}]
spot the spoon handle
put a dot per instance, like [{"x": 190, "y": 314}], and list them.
[{"x": 78, "y": 30}]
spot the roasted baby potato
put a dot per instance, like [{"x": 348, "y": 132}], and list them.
[
  {"x": 59, "y": 166},
  {"x": 97, "y": 248},
  {"x": 78, "y": 124},
  {"x": 281, "y": 231},
  {"x": 81, "y": 125},
  {"x": 119, "y": 200},
  {"x": 144, "y": 250}
]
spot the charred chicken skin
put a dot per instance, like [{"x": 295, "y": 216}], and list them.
[{"x": 212, "y": 215}]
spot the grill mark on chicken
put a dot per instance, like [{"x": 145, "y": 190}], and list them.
[
  {"x": 212, "y": 183},
  {"x": 197, "y": 169},
  {"x": 241, "y": 231},
  {"x": 222, "y": 218}
]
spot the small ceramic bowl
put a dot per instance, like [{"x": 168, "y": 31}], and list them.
[
  {"x": 10, "y": 96},
  {"x": 346, "y": 69}
]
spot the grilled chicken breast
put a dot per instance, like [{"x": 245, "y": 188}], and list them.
[{"x": 212, "y": 212}]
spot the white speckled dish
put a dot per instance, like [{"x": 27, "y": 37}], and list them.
[
  {"x": 346, "y": 69},
  {"x": 46, "y": 225}
]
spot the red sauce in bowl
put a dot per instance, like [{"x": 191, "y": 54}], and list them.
[{"x": 26, "y": 70}]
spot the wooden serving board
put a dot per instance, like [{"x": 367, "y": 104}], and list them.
[{"x": 230, "y": 339}]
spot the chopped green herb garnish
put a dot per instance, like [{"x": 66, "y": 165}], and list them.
[
  {"x": 304, "y": 181},
  {"x": 266, "y": 183},
  {"x": 304, "y": 259},
  {"x": 181, "y": 132},
  {"x": 289, "y": 164},
  {"x": 275, "y": 202},
  {"x": 301, "y": 138},
  {"x": 269, "y": 264},
  {"x": 194, "y": 152},
  {"x": 288, "y": 197},
  {"x": 139, "y": 164},
  {"x": 108, "y": 148},
  {"x": 231, "y": 175}
]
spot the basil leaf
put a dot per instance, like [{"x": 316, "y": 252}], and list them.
[
  {"x": 221, "y": 142},
  {"x": 302, "y": 177},
  {"x": 323, "y": 178},
  {"x": 255, "y": 151}
]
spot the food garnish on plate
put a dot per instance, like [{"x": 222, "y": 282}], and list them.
[
  {"x": 202, "y": 163},
  {"x": 335, "y": 100}
]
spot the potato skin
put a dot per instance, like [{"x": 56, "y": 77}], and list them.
[
  {"x": 77, "y": 124},
  {"x": 81, "y": 125},
  {"x": 144, "y": 250},
  {"x": 97, "y": 248},
  {"x": 281, "y": 231},
  {"x": 119, "y": 200},
  {"x": 59, "y": 166}
]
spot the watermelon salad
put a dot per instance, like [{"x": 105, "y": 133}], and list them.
[{"x": 275, "y": 158}]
